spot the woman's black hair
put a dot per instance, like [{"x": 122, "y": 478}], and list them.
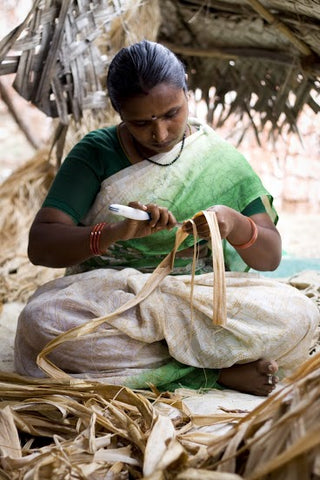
[{"x": 136, "y": 69}]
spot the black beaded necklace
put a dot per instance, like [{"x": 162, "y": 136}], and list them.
[{"x": 157, "y": 163}]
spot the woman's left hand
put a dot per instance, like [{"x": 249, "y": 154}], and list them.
[
  {"x": 263, "y": 254},
  {"x": 225, "y": 217}
]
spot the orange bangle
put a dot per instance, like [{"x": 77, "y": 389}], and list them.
[
  {"x": 95, "y": 238},
  {"x": 252, "y": 240}
]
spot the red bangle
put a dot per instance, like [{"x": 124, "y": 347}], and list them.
[
  {"x": 254, "y": 236},
  {"x": 95, "y": 238}
]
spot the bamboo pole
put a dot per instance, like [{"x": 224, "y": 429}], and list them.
[{"x": 5, "y": 96}]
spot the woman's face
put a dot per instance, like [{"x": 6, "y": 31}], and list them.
[{"x": 157, "y": 120}]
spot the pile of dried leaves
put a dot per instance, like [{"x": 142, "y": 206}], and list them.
[
  {"x": 85, "y": 430},
  {"x": 21, "y": 195}
]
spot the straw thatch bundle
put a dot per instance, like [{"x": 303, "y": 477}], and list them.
[
  {"x": 85, "y": 430},
  {"x": 21, "y": 196},
  {"x": 258, "y": 59}
]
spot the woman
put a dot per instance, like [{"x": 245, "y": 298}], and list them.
[{"x": 159, "y": 161}]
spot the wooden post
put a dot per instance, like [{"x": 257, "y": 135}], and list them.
[{"x": 6, "y": 97}]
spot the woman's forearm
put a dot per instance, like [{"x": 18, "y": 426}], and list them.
[
  {"x": 59, "y": 245},
  {"x": 55, "y": 241},
  {"x": 265, "y": 252}
]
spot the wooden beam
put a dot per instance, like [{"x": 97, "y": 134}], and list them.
[
  {"x": 233, "y": 53},
  {"x": 276, "y": 23}
]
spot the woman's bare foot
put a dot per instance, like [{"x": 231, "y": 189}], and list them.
[{"x": 256, "y": 378}]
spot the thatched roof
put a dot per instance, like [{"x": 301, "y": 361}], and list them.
[{"x": 265, "y": 55}]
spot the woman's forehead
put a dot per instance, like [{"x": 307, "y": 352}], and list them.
[{"x": 157, "y": 102}]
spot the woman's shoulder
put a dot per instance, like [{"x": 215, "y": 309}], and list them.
[
  {"x": 104, "y": 134},
  {"x": 102, "y": 141},
  {"x": 101, "y": 150}
]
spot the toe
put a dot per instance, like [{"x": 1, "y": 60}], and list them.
[
  {"x": 273, "y": 366},
  {"x": 267, "y": 367}
]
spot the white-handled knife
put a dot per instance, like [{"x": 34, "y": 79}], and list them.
[{"x": 133, "y": 213}]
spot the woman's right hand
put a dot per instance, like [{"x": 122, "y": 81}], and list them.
[{"x": 161, "y": 219}]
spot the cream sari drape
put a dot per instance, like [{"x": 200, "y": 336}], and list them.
[{"x": 265, "y": 318}]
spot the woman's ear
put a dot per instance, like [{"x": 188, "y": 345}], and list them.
[{"x": 186, "y": 85}]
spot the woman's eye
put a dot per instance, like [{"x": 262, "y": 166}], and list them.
[
  {"x": 172, "y": 114},
  {"x": 140, "y": 124}
]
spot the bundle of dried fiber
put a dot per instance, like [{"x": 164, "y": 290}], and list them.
[
  {"x": 76, "y": 430},
  {"x": 77, "y": 130},
  {"x": 280, "y": 439},
  {"x": 21, "y": 195},
  {"x": 87, "y": 430},
  {"x": 308, "y": 282},
  {"x": 139, "y": 20}
]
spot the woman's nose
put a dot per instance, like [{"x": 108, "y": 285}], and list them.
[{"x": 159, "y": 131}]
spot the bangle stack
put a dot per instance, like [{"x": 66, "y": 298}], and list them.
[
  {"x": 95, "y": 235},
  {"x": 254, "y": 236}
]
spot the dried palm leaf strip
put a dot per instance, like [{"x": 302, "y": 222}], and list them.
[
  {"x": 21, "y": 196},
  {"x": 279, "y": 439},
  {"x": 219, "y": 290},
  {"x": 82, "y": 442},
  {"x": 162, "y": 270},
  {"x": 86, "y": 420},
  {"x": 15, "y": 387}
]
